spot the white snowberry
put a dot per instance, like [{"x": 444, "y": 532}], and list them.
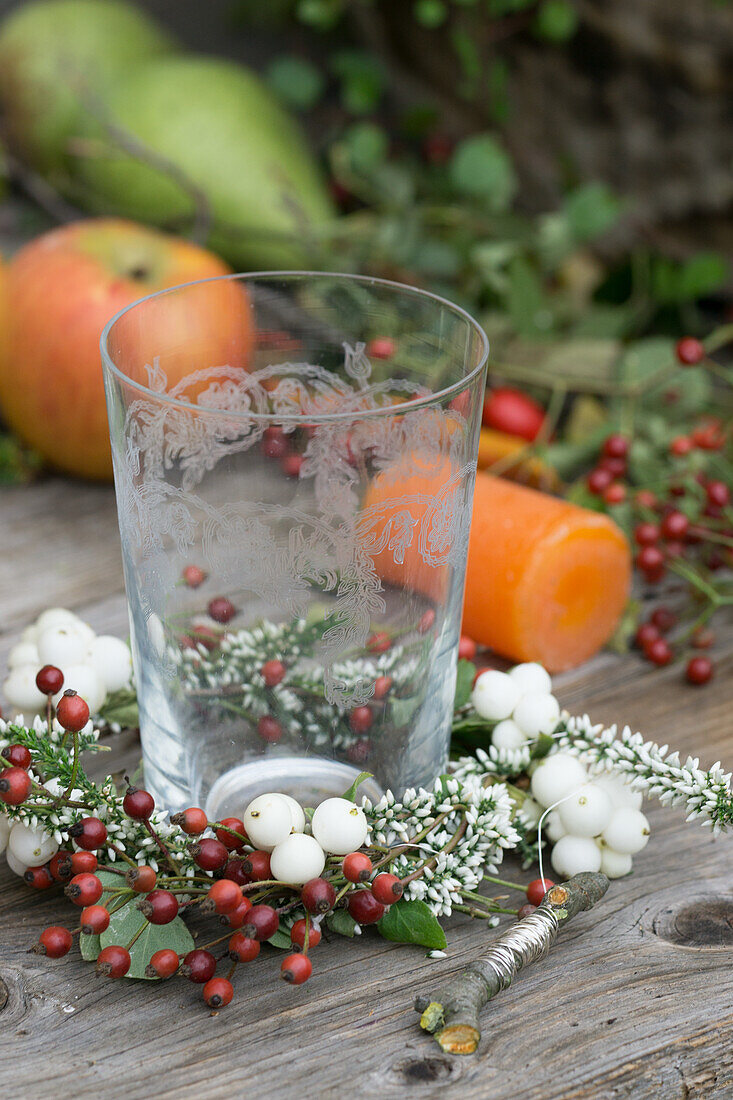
[
  {"x": 20, "y": 689},
  {"x": 54, "y": 617},
  {"x": 4, "y": 832},
  {"x": 85, "y": 682},
  {"x": 62, "y": 646},
  {"x": 553, "y": 826},
  {"x": 339, "y": 826},
  {"x": 556, "y": 776},
  {"x": 507, "y": 735},
  {"x": 111, "y": 659},
  {"x": 495, "y": 695},
  {"x": 14, "y": 864},
  {"x": 536, "y": 714},
  {"x": 297, "y": 859},
  {"x": 531, "y": 812},
  {"x": 296, "y": 813},
  {"x": 30, "y": 634},
  {"x": 627, "y": 831},
  {"x": 32, "y": 847},
  {"x": 24, "y": 653},
  {"x": 587, "y": 812},
  {"x": 531, "y": 679},
  {"x": 619, "y": 791},
  {"x": 614, "y": 864},
  {"x": 573, "y": 854},
  {"x": 268, "y": 820}
]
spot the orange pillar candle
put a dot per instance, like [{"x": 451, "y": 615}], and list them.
[{"x": 547, "y": 580}]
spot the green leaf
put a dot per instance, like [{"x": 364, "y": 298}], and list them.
[
  {"x": 482, "y": 169},
  {"x": 591, "y": 210},
  {"x": 556, "y": 20},
  {"x": 465, "y": 674},
  {"x": 361, "y": 778},
  {"x": 296, "y": 81},
  {"x": 412, "y": 922},
  {"x": 121, "y": 707},
  {"x": 125, "y": 923},
  {"x": 367, "y": 145},
  {"x": 703, "y": 274},
  {"x": 89, "y": 946},
  {"x": 526, "y": 299},
  {"x": 341, "y": 922},
  {"x": 644, "y": 359},
  {"x": 362, "y": 79},
  {"x": 430, "y": 13},
  {"x": 281, "y": 939},
  {"x": 542, "y": 746}
]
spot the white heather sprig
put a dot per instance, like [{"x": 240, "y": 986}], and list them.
[{"x": 652, "y": 769}]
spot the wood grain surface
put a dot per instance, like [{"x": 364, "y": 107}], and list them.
[{"x": 636, "y": 999}]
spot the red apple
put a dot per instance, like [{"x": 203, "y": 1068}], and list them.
[{"x": 61, "y": 290}]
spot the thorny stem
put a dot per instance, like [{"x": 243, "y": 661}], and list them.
[{"x": 168, "y": 857}]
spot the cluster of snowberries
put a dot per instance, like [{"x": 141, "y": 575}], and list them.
[
  {"x": 94, "y": 665},
  {"x": 595, "y": 823}
]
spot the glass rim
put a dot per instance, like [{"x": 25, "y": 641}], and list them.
[{"x": 311, "y": 417}]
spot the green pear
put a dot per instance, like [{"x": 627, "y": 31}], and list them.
[
  {"x": 59, "y": 58},
  {"x": 186, "y": 133}
]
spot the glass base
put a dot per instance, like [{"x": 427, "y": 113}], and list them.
[{"x": 308, "y": 779}]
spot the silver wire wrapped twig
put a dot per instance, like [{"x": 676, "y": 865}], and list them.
[{"x": 452, "y": 1013}]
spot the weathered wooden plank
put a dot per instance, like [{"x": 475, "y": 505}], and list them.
[{"x": 633, "y": 1002}]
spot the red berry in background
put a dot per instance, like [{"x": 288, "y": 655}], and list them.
[
  {"x": 60, "y": 866},
  {"x": 382, "y": 685},
  {"x": 438, "y": 148},
  {"x": 510, "y": 410},
  {"x": 616, "y": 446},
  {"x": 615, "y": 466},
  {"x": 379, "y": 642},
  {"x": 718, "y": 494},
  {"x": 663, "y": 619},
  {"x": 269, "y": 729},
  {"x": 658, "y": 652},
  {"x": 89, "y": 833},
  {"x": 466, "y": 648},
  {"x": 381, "y": 347},
  {"x": 39, "y": 878},
  {"x": 15, "y": 786},
  {"x": 94, "y": 920},
  {"x": 646, "y": 633},
  {"x": 224, "y": 897},
  {"x": 235, "y": 872},
  {"x": 646, "y": 534},
  {"x": 163, "y": 964},
  {"x": 221, "y": 610},
  {"x": 651, "y": 562},
  {"x": 615, "y": 493},
  {"x": 318, "y": 896},
  {"x": 537, "y": 890},
  {"x": 160, "y": 906},
  {"x": 709, "y": 436},
  {"x": 598, "y": 480},
  {"x": 699, "y": 671},
  {"x": 84, "y": 890},
  {"x": 689, "y": 351},
  {"x": 364, "y": 907},
  {"x": 193, "y": 821},
  {"x": 218, "y": 992},
  {"x": 291, "y": 465},
  {"x": 113, "y": 962},
  {"x": 141, "y": 879},
  {"x": 199, "y": 966},
  {"x": 675, "y": 525},
  {"x": 49, "y": 680},
  {"x": 237, "y": 918},
  {"x": 296, "y": 969},
  {"x": 274, "y": 443},
  {"x": 298, "y": 934},
  {"x": 17, "y": 756},
  {"x": 526, "y": 911},
  {"x": 261, "y": 923},
  {"x": 680, "y": 446},
  {"x": 646, "y": 499},
  {"x": 83, "y": 863},
  {"x": 702, "y": 637},
  {"x": 361, "y": 719},
  {"x": 674, "y": 549},
  {"x": 360, "y": 751},
  {"x": 55, "y": 942},
  {"x": 138, "y": 804},
  {"x": 426, "y": 621},
  {"x": 72, "y": 712},
  {"x": 273, "y": 673},
  {"x": 231, "y": 825},
  {"x": 257, "y": 866},
  {"x": 243, "y": 948},
  {"x": 193, "y": 576},
  {"x": 356, "y": 867},
  {"x": 209, "y": 854},
  {"x": 387, "y": 888}
]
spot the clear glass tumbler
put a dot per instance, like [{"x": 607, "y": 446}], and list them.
[{"x": 294, "y": 460}]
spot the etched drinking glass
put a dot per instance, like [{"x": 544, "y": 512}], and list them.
[{"x": 294, "y": 460}]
